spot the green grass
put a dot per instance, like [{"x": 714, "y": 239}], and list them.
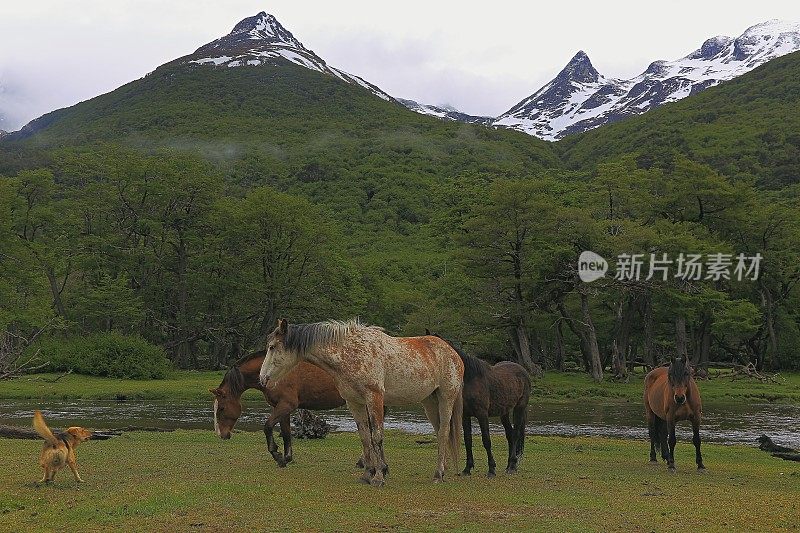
[
  {"x": 190, "y": 480},
  {"x": 193, "y": 386}
]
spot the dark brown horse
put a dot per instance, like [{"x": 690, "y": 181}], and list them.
[
  {"x": 306, "y": 387},
  {"x": 671, "y": 395},
  {"x": 501, "y": 390}
]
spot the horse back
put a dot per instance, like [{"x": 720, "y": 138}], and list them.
[
  {"x": 509, "y": 386},
  {"x": 412, "y": 368},
  {"x": 306, "y": 386}
]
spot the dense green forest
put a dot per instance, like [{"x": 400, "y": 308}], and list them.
[{"x": 192, "y": 208}]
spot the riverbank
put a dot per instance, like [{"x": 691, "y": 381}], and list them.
[
  {"x": 191, "y": 480},
  {"x": 554, "y": 386}
]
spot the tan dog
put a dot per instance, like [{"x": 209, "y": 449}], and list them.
[{"x": 58, "y": 451}]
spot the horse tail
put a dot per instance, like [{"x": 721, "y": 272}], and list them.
[{"x": 454, "y": 438}]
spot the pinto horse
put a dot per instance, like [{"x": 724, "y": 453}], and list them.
[
  {"x": 305, "y": 387},
  {"x": 372, "y": 369},
  {"x": 671, "y": 395}
]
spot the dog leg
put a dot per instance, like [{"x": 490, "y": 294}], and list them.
[{"x": 74, "y": 467}]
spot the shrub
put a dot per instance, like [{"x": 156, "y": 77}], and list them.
[{"x": 107, "y": 354}]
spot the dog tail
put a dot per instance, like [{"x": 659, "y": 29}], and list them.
[{"x": 41, "y": 428}]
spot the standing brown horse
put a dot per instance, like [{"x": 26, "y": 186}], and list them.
[
  {"x": 671, "y": 395},
  {"x": 498, "y": 390},
  {"x": 305, "y": 387}
]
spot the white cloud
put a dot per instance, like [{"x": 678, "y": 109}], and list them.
[{"x": 479, "y": 57}]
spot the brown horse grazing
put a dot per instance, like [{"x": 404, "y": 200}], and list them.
[
  {"x": 372, "y": 369},
  {"x": 671, "y": 395},
  {"x": 305, "y": 387},
  {"x": 498, "y": 390}
]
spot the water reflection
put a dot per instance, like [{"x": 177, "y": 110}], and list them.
[{"x": 725, "y": 423}]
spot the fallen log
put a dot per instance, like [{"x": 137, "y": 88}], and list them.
[
  {"x": 776, "y": 450},
  {"x": 17, "y": 432},
  {"x": 787, "y": 456}
]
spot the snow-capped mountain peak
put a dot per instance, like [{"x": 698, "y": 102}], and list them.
[
  {"x": 579, "y": 98},
  {"x": 261, "y": 40},
  {"x": 580, "y": 69}
]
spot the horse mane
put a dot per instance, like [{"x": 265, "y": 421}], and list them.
[
  {"x": 234, "y": 377},
  {"x": 473, "y": 367},
  {"x": 677, "y": 369},
  {"x": 302, "y": 338}
]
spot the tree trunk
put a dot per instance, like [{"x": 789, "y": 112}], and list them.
[
  {"x": 680, "y": 338},
  {"x": 585, "y": 355},
  {"x": 559, "y": 347},
  {"x": 55, "y": 291},
  {"x": 522, "y": 343},
  {"x": 649, "y": 352},
  {"x": 769, "y": 318},
  {"x": 621, "y": 343},
  {"x": 591, "y": 338}
]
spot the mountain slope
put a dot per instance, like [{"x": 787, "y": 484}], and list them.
[
  {"x": 446, "y": 113},
  {"x": 746, "y": 128},
  {"x": 579, "y": 98},
  {"x": 262, "y": 40}
]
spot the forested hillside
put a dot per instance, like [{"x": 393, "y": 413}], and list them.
[
  {"x": 747, "y": 128},
  {"x": 197, "y": 205}
]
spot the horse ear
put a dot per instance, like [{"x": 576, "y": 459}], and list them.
[
  {"x": 427, "y": 332},
  {"x": 216, "y": 392},
  {"x": 283, "y": 326}
]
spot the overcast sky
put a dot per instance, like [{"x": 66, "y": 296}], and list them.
[{"x": 481, "y": 57}]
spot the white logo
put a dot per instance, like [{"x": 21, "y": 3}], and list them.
[{"x": 591, "y": 266}]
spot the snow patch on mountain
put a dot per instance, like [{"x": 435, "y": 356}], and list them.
[{"x": 445, "y": 112}]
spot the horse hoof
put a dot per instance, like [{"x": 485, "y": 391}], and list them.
[
  {"x": 701, "y": 469},
  {"x": 360, "y": 463},
  {"x": 438, "y": 478},
  {"x": 511, "y": 471},
  {"x": 653, "y": 461},
  {"x": 366, "y": 479},
  {"x": 671, "y": 469},
  {"x": 490, "y": 475},
  {"x": 465, "y": 472},
  {"x": 377, "y": 482}
]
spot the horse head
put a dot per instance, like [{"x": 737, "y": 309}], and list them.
[
  {"x": 280, "y": 358},
  {"x": 227, "y": 404},
  {"x": 679, "y": 374}
]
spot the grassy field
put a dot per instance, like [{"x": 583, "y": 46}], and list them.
[
  {"x": 190, "y": 385},
  {"x": 190, "y": 480}
]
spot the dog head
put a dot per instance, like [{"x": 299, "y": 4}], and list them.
[{"x": 79, "y": 434}]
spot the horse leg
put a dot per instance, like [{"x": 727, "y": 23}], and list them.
[
  {"x": 483, "y": 420},
  {"x": 696, "y": 441},
  {"x": 286, "y": 434},
  {"x": 278, "y": 413},
  {"x": 520, "y": 421},
  {"x": 375, "y": 421},
  {"x": 512, "y": 460},
  {"x": 466, "y": 423},
  {"x": 671, "y": 428},
  {"x": 445, "y": 402},
  {"x": 652, "y": 429},
  {"x": 359, "y": 412}
]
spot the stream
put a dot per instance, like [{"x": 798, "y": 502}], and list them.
[{"x": 724, "y": 423}]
